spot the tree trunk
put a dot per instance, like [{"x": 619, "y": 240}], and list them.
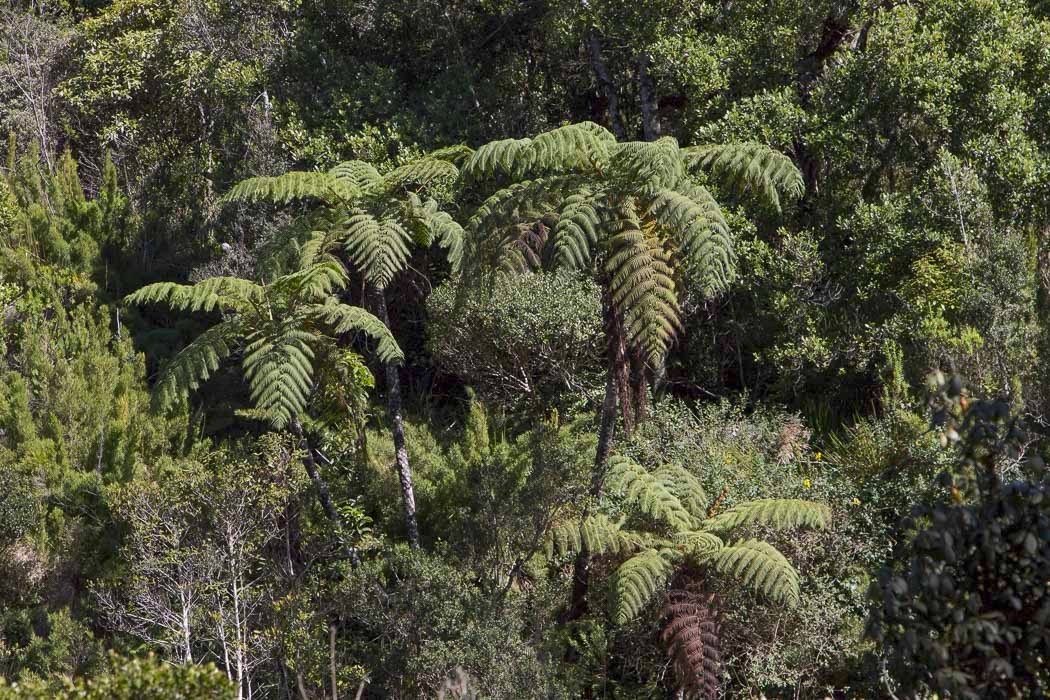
[
  {"x": 323, "y": 494},
  {"x": 594, "y": 46},
  {"x": 393, "y": 398},
  {"x": 647, "y": 96}
]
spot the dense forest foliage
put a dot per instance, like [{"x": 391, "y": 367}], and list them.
[{"x": 524, "y": 348}]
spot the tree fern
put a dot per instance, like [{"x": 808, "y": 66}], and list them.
[
  {"x": 357, "y": 173},
  {"x": 597, "y": 533},
  {"x": 378, "y": 247},
  {"x": 278, "y": 328},
  {"x": 778, "y": 513}
]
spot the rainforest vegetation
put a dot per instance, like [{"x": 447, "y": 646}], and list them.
[{"x": 524, "y": 349}]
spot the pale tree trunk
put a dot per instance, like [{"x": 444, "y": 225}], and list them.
[
  {"x": 393, "y": 398},
  {"x": 323, "y": 494}
]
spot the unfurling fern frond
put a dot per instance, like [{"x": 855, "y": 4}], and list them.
[
  {"x": 750, "y": 166},
  {"x": 356, "y": 172},
  {"x": 653, "y": 495},
  {"x": 195, "y": 364},
  {"x": 638, "y": 580},
  {"x": 761, "y": 567},
  {"x": 691, "y": 635},
  {"x": 291, "y": 186},
  {"x": 596, "y": 534},
  {"x": 699, "y": 230},
  {"x": 780, "y": 513},
  {"x": 343, "y": 318},
  {"x": 378, "y": 248},
  {"x": 642, "y": 288}
]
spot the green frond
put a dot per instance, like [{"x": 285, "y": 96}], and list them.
[
  {"x": 224, "y": 293},
  {"x": 577, "y": 230},
  {"x": 357, "y": 173},
  {"x": 781, "y": 513},
  {"x": 507, "y": 156},
  {"x": 279, "y": 370},
  {"x": 195, "y": 364},
  {"x": 582, "y": 147},
  {"x": 597, "y": 534},
  {"x": 453, "y": 154},
  {"x": 421, "y": 174},
  {"x": 638, "y": 580},
  {"x": 653, "y": 495},
  {"x": 642, "y": 287},
  {"x": 312, "y": 283},
  {"x": 343, "y": 318},
  {"x": 448, "y": 234},
  {"x": 750, "y": 166},
  {"x": 645, "y": 167},
  {"x": 697, "y": 543},
  {"x": 377, "y": 247},
  {"x": 291, "y": 186},
  {"x": 759, "y": 566},
  {"x": 687, "y": 487},
  {"x": 695, "y": 223}
]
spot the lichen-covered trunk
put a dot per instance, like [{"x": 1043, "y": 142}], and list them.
[{"x": 393, "y": 399}]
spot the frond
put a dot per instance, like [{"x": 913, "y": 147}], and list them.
[
  {"x": 291, "y": 186},
  {"x": 343, "y": 318},
  {"x": 642, "y": 287},
  {"x": 448, "y": 234},
  {"x": 224, "y": 293},
  {"x": 377, "y": 247},
  {"x": 638, "y": 580},
  {"x": 453, "y": 154},
  {"x": 761, "y": 567},
  {"x": 696, "y": 224},
  {"x": 697, "y": 543},
  {"x": 654, "y": 495},
  {"x": 687, "y": 487},
  {"x": 279, "y": 370},
  {"x": 194, "y": 364},
  {"x": 693, "y": 642},
  {"x": 582, "y": 147},
  {"x": 357, "y": 173},
  {"x": 781, "y": 513},
  {"x": 645, "y": 167},
  {"x": 597, "y": 534},
  {"x": 312, "y": 283},
  {"x": 505, "y": 156},
  {"x": 421, "y": 174},
  {"x": 577, "y": 229},
  {"x": 750, "y": 166}
]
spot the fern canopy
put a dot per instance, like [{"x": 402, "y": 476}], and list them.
[
  {"x": 778, "y": 513},
  {"x": 279, "y": 329},
  {"x": 629, "y": 212}
]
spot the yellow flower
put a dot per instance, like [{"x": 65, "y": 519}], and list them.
[
  {"x": 729, "y": 459},
  {"x": 819, "y": 455},
  {"x": 807, "y": 483},
  {"x": 855, "y": 501}
]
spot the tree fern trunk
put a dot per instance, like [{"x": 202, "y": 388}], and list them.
[
  {"x": 393, "y": 398},
  {"x": 323, "y": 494},
  {"x": 647, "y": 97}
]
